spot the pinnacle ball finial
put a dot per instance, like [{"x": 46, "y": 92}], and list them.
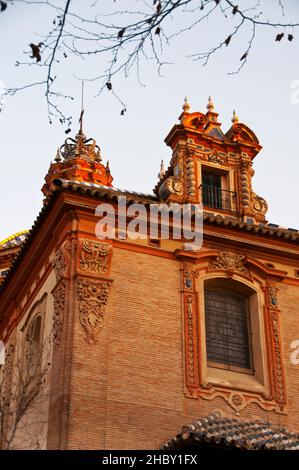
[
  {"x": 210, "y": 105},
  {"x": 235, "y": 118},
  {"x": 186, "y": 105}
]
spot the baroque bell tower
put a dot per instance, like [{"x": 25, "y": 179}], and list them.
[{"x": 211, "y": 167}]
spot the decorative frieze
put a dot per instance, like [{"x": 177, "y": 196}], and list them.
[{"x": 236, "y": 401}]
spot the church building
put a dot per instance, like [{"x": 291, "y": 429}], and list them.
[{"x": 144, "y": 343}]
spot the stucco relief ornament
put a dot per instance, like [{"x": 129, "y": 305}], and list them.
[
  {"x": 93, "y": 297},
  {"x": 272, "y": 291},
  {"x": 236, "y": 401},
  {"x": 191, "y": 371},
  {"x": 228, "y": 261},
  {"x": 215, "y": 158},
  {"x": 59, "y": 303},
  {"x": 94, "y": 257},
  {"x": 259, "y": 204},
  {"x": 59, "y": 264},
  {"x": 174, "y": 186}
]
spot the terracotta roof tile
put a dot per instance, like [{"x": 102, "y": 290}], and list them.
[{"x": 235, "y": 433}]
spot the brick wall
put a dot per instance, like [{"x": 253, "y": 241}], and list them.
[{"x": 127, "y": 391}]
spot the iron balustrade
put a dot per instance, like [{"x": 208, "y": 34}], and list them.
[{"x": 218, "y": 198}]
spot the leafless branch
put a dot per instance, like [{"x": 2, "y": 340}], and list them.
[
  {"x": 23, "y": 393},
  {"x": 124, "y": 38}
]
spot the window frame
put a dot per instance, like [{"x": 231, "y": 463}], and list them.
[
  {"x": 256, "y": 382},
  {"x": 227, "y": 366}
]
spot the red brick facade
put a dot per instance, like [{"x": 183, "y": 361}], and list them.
[{"x": 129, "y": 366}]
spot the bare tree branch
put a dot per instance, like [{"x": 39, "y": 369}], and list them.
[{"x": 124, "y": 37}]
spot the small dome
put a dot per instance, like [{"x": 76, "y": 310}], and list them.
[{"x": 14, "y": 240}]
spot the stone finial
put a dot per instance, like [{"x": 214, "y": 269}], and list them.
[
  {"x": 210, "y": 105},
  {"x": 162, "y": 170},
  {"x": 186, "y": 105},
  {"x": 235, "y": 118}
]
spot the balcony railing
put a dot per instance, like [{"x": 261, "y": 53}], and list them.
[{"x": 218, "y": 198}]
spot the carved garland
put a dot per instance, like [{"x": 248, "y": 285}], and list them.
[{"x": 59, "y": 264}]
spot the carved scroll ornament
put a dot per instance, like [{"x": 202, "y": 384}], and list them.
[
  {"x": 94, "y": 257},
  {"x": 259, "y": 204},
  {"x": 228, "y": 261}
]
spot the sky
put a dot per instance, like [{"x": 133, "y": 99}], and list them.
[{"x": 261, "y": 93}]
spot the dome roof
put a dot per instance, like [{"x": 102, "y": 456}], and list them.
[{"x": 14, "y": 240}]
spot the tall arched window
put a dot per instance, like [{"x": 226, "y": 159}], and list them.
[{"x": 227, "y": 323}]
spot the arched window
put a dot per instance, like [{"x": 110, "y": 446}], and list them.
[{"x": 227, "y": 323}]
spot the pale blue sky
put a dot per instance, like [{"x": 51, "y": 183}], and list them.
[{"x": 134, "y": 144}]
